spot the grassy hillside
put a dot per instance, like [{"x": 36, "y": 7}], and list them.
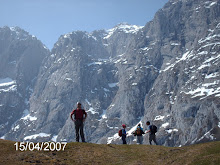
[{"x": 86, "y": 153}]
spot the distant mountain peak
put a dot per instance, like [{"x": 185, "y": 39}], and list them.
[{"x": 17, "y": 32}]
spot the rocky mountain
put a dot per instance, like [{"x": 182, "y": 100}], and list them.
[
  {"x": 21, "y": 56},
  {"x": 184, "y": 99},
  {"x": 166, "y": 72}
]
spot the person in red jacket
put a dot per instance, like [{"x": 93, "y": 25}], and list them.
[{"x": 79, "y": 118}]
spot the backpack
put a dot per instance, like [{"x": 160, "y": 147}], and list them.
[
  {"x": 138, "y": 131},
  {"x": 153, "y": 129},
  {"x": 120, "y": 132}
]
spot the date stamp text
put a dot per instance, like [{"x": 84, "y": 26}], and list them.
[{"x": 40, "y": 146}]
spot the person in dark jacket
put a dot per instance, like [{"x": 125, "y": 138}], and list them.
[
  {"x": 79, "y": 118},
  {"x": 124, "y": 134},
  {"x": 152, "y": 135}
]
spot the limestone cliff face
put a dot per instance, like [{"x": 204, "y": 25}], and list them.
[
  {"x": 21, "y": 56},
  {"x": 166, "y": 72},
  {"x": 184, "y": 100}
]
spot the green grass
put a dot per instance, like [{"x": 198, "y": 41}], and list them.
[{"x": 87, "y": 153}]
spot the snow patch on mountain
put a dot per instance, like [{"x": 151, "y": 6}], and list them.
[
  {"x": 16, "y": 128},
  {"x": 207, "y": 135},
  {"x": 126, "y": 28},
  {"x": 112, "y": 85},
  {"x": 171, "y": 130},
  {"x": 95, "y": 63},
  {"x": 7, "y": 85},
  {"x": 27, "y": 116},
  {"x": 113, "y": 138},
  {"x": 165, "y": 125},
  {"x": 91, "y": 109},
  {"x": 36, "y": 135},
  {"x": 159, "y": 118},
  {"x": 216, "y": 36},
  {"x": 209, "y": 4},
  {"x": 204, "y": 90},
  {"x": 54, "y": 138},
  {"x": 185, "y": 56},
  {"x": 6, "y": 82},
  {"x": 3, "y": 137},
  {"x": 104, "y": 116}
]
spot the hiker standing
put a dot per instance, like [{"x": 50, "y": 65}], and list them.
[
  {"x": 124, "y": 134},
  {"x": 79, "y": 117},
  {"x": 152, "y": 129},
  {"x": 139, "y": 132}
]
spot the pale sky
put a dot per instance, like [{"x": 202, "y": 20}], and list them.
[{"x": 48, "y": 19}]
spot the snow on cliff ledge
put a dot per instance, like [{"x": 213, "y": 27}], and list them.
[{"x": 125, "y": 28}]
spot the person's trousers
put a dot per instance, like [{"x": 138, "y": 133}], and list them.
[
  {"x": 124, "y": 139},
  {"x": 152, "y": 137},
  {"x": 140, "y": 139},
  {"x": 79, "y": 128}
]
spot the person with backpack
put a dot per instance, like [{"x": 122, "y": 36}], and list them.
[
  {"x": 139, "y": 132},
  {"x": 80, "y": 116},
  {"x": 122, "y": 133},
  {"x": 152, "y": 129}
]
